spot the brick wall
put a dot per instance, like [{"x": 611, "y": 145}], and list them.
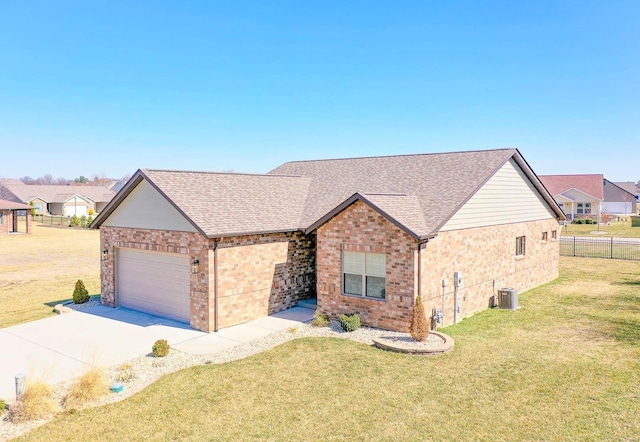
[
  {"x": 6, "y": 222},
  {"x": 483, "y": 255},
  {"x": 360, "y": 228},
  {"x": 263, "y": 274},
  {"x": 257, "y": 275},
  {"x": 186, "y": 243}
]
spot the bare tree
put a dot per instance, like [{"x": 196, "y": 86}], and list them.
[{"x": 101, "y": 180}]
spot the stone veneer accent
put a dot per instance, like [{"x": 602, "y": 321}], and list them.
[
  {"x": 360, "y": 228},
  {"x": 257, "y": 275},
  {"x": 482, "y": 254},
  {"x": 485, "y": 254}
]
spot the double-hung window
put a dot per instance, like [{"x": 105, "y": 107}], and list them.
[{"x": 364, "y": 274}]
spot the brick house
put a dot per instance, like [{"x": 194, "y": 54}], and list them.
[
  {"x": 362, "y": 234},
  {"x": 60, "y": 200}
]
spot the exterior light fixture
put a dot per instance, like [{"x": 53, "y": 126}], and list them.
[
  {"x": 195, "y": 266},
  {"x": 105, "y": 254}
]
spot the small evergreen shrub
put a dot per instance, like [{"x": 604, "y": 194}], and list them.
[
  {"x": 80, "y": 294},
  {"x": 83, "y": 221},
  {"x": 320, "y": 319},
  {"x": 3, "y": 405},
  {"x": 74, "y": 222},
  {"x": 350, "y": 322},
  {"x": 89, "y": 220},
  {"x": 160, "y": 348},
  {"x": 419, "y": 323}
]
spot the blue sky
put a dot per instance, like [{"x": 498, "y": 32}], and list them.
[{"x": 109, "y": 87}]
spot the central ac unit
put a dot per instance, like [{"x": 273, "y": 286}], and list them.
[{"x": 508, "y": 298}]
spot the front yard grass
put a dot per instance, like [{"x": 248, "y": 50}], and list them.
[
  {"x": 618, "y": 229},
  {"x": 566, "y": 366},
  {"x": 40, "y": 270}
]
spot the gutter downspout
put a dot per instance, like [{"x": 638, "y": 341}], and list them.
[{"x": 215, "y": 286}]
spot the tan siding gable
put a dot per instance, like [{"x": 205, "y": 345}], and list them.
[
  {"x": 508, "y": 197},
  {"x": 146, "y": 208}
]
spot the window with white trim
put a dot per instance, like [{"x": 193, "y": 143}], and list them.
[
  {"x": 520, "y": 245},
  {"x": 584, "y": 208},
  {"x": 364, "y": 274},
  {"x": 38, "y": 207}
]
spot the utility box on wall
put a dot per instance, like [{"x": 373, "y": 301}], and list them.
[{"x": 508, "y": 298}]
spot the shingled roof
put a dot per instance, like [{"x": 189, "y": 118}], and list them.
[
  {"x": 58, "y": 193},
  {"x": 12, "y": 205},
  {"x": 592, "y": 184},
  {"x": 417, "y": 192},
  {"x": 440, "y": 183}
]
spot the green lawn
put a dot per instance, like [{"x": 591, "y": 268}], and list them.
[
  {"x": 40, "y": 270},
  {"x": 620, "y": 229},
  {"x": 566, "y": 366}
]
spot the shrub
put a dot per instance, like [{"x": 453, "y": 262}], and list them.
[
  {"x": 320, "y": 319},
  {"x": 74, "y": 222},
  {"x": 80, "y": 294},
  {"x": 89, "y": 220},
  {"x": 3, "y": 405},
  {"x": 90, "y": 386},
  {"x": 126, "y": 373},
  {"x": 419, "y": 324},
  {"x": 91, "y": 212},
  {"x": 37, "y": 402},
  {"x": 83, "y": 221},
  {"x": 350, "y": 322},
  {"x": 160, "y": 348}
]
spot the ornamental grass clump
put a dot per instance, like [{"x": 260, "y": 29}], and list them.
[
  {"x": 37, "y": 402},
  {"x": 419, "y": 323},
  {"x": 80, "y": 294},
  {"x": 88, "y": 387},
  {"x": 350, "y": 322}
]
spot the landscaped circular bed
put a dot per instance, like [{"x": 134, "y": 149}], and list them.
[{"x": 436, "y": 343}]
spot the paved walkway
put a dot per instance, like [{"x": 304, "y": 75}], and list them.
[{"x": 61, "y": 347}]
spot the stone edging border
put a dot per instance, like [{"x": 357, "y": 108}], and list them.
[{"x": 446, "y": 346}]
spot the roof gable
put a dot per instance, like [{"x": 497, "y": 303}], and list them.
[{"x": 590, "y": 184}]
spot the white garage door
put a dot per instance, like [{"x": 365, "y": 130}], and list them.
[
  {"x": 617, "y": 208},
  {"x": 156, "y": 283},
  {"x": 77, "y": 210}
]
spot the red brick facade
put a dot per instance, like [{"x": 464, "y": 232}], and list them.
[
  {"x": 257, "y": 275},
  {"x": 359, "y": 228},
  {"x": 8, "y": 220},
  {"x": 482, "y": 255}
]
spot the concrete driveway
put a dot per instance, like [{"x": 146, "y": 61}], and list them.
[{"x": 62, "y": 347}]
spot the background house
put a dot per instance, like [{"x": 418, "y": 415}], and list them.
[
  {"x": 589, "y": 195},
  {"x": 59, "y": 199},
  {"x": 363, "y": 234}
]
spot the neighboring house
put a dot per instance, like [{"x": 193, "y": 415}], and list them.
[
  {"x": 364, "y": 235},
  {"x": 617, "y": 200},
  {"x": 59, "y": 199},
  {"x": 630, "y": 187},
  {"x": 588, "y": 195},
  {"x": 9, "y": 212}
]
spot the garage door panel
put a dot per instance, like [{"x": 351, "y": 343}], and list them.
[{"x": 157, "y": 283}]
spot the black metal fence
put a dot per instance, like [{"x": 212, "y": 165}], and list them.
[
  {"x": 51, "y": 219},
  {"x": 611, "y": 248}
]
